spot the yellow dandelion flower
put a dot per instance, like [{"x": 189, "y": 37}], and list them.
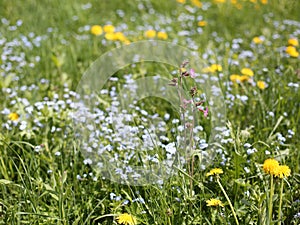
[
  {"x": 215, "y": 171},
  {"x": 247, "y": 71},
  {"x": 214, "y": 202},
  {"x": 202, "y": 23},
  {"x": 96, "y": 30},
  {"x": 219, "y": 1},
  {"x": 294, "y": 54},
  {"x": 111, "y": 36},
  {"x": 150, "y": 34},
  {"x": 257, "y": 40},
  {"x": 216, "y": 67},
  {"x": 109, "y": 28},
  {"x": 213, "y": 68},
  {"x": 261, "y": 84},
  {"x": 181, "y": 1},
  {"x": 162, "y": 35},
  {"x": 270, "y": 166},
  {"x": 126, "y": 219},
  {"x": 244, "y": 78},
  {"x": 234, "y": 77},
  {"x": 282, "y": 171},
  {"x": 120, "y": 36},
  {"x": 13, "y": 116},
  {"x": 239, "y": 78},
  {"x": 293, "y": 42},
  {"x": 264, "y": 2},
  {"x": 197, "y": 3},
  {"x": 291, "y": 50}
]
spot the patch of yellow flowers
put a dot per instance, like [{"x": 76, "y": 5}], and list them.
[{"x": 272, "y": 167}]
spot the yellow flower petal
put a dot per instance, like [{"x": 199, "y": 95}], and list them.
[
  {"x": 150, "y": 33},
  {"x": 216, "y": 67},
  {"x": 215, "y": 171},
  {"x": 270, "y": 166},
  {"x": 264, "y": 2},
  {"x": 219, "y": 1},
  {"x": 291, "y": 50},
  {"x": 282, "y": 171},
  {"x": 261, "y": 84},
  {"x": 162, "y": 35},
  {"x": 13, "y": 116},
  {"x": 247, "y": 71},
  {"x": 109, "y": 28},
  {"x": 293, "y": 42},
  {"x": 257, "y": 40},
  {"x": 202, "y": 23},
  {"x": 196, "y": 3},
  {"x": 214, "y": 202},
  {"x": 96, "y": 30},
  {"x": 126, "y": 219}
]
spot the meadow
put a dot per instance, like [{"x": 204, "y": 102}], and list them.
[{"x": 150, "y": 112}]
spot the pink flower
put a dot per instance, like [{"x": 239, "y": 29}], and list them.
[
  {"x": 205, "y": 112},
  {"x": 185, "y": 102},
  {"x": 192, "y": 73}
]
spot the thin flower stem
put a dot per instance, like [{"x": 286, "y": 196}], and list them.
[
  {"x": 228, "y": 200},
  {"x": 191, "y": 154},
  {"x": 271, "y": 199},
  {"x": 280, "y": 202}
]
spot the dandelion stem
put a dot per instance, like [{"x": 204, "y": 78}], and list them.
[
  {"x": 280, "y": 202},
  {"x": 228, "y": 200},
  {"x": 271, "y": 199}
]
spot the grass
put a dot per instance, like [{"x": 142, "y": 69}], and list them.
[{"x": 45, "y": 175}]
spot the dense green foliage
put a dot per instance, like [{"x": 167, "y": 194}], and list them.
[{"x": 46, "y": 46}]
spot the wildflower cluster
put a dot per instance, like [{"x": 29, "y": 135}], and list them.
[
  {"x": 193, "y": 91},
  {"x": 272, "y": 167},
  {"x": 247, "y": 74},
  {"x": 45, "y": 122},
  {"x": 152, "y": 34},
  {"x": 110, "y": 33},
  {"x": 291, "y": 49},
  {"x": 213, "y": 68}
]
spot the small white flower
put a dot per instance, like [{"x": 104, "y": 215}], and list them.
[
  {"x": 87, "y": 162},
  {"x": 247, "y": 145},
  {"x": 23, "y": 125},
  {"x": 37, "y": 148},
  {"x": 170, "y": 148},
  {"x": 247, "y": 170}
]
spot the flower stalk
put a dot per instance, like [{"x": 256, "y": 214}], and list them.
[
  {"x": 271, "y": 199},
  {"x": 280, "y": 202},
  {"x": 228, "y": 200}
]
